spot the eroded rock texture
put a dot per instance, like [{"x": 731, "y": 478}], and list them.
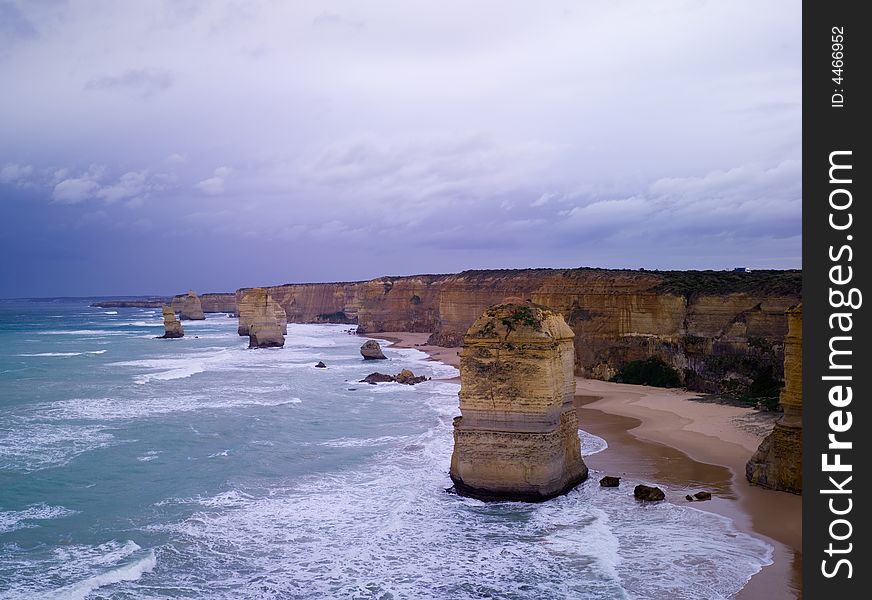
[
  {"x": 517, "y": 438},
  {"x": 172, "y": 326},
  {"x": 257, "y": 306},
  {"x": 721, "y": 331},
  {"x": 189, "y": 307},
  {"x": 777, "y": 464},
  {"x": 371, "y": 350},
  {"x": 262, "y": 319}
]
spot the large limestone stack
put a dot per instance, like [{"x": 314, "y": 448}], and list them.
[
  {"x": 257, "y": 305},
  {"x": 777, "y": 464},
  {"x": 518, "y": 436},
  {"x": 172, "y": 326},
  {"x": 190, "y": 308},
  {"x": 262, "y": 320}
]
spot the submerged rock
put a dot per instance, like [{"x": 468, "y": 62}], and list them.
[
  {"x": 517, "y": 438},
  {"x": 700, "y": 496},
  {"x": 321, "y": 365},
  {"x": 190, "y": 308},
  {"x": 609, "y": 481},
  {"x": 371, "y": 350},
  {"x": 777, "y": 464},
  {"x": 648, "y": 493},
  {"x": 172, "y": 326}
]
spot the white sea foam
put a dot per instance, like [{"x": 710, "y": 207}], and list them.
[
  {"x": 129, "y": 571},
  {"x": 110, "y": 312},
  {"x": 95, "y": 332},
  {"x": 64, "y": 353},
  {"x": 12, "y": 520},
  {"x": 590, "y": 443},
  {"x": 29, "y": 446}
]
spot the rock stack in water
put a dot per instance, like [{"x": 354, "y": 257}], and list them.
[
  {"x": 191, "y": 309},
  {"x": 777, "y": 464},
  {"x": 257, "y": 305},
  {"x": 262, "y": 319},
  {"x": 172, "y": 327},
  {"x": 517, "y": 438}
]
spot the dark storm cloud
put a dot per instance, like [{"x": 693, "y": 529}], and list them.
[{"x": 272, "y": 142}]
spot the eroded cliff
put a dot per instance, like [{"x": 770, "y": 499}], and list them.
[
  {"x": 722, "y": 331},
  {"x": 777, "y": 464}
]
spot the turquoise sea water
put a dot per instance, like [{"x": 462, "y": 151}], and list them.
[{"x": 132, "y": 467}]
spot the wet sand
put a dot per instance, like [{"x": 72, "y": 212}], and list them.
[{"x": 684, "y": 446}]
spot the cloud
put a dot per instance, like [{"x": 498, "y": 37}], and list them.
[
  {"x": 129, "y": 185},
  {"x": 144, "y": 83},
  {"x": 15, "y": 173},
  {"x": 214, "y": 185},
  {"x": 132, "y": 185},
  {"x": 72, "y": 191},
  {"x": 176, "y": 159}
]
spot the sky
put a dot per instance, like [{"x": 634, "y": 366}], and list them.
[{"x": 156, "y": 146}]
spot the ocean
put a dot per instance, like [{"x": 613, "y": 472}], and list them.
[{"x": 133, "y": 467}]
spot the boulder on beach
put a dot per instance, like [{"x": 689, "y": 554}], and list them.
[
  {"x": 609, "y": 481},
  {"x": 648, "y": 493},
  {"x": 371, "y": 350},
  {"x": 172, "y": 326}
]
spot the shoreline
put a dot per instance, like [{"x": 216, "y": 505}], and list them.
[{"x": 661, "y": 436}]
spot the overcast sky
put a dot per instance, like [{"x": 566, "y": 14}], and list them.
[{"x": 149, "y": 147}]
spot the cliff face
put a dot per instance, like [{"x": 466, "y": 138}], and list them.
[
  {"x": 720, "y": 330},
  {"x": 517, "y": 438},
  {"x": 257, "y": 307},
  {"x": 172, "y": 326},
  {"x": 219, "y": 303},
  {"x": 777, "y": 464},
  {"x": 189, "y": 307}
]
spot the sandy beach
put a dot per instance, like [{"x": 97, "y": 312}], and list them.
[{"x": 683, "y": 445}]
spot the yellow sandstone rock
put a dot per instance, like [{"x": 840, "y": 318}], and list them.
[
  {"x": 172, "y": 326},
  {"x": 777, "y": 464},
  {"x": 262, "y": 319},
  {"x": 256, "y": 305},
  {"x": 189, "y": 307},
  {"x": 517, "y": 438}
]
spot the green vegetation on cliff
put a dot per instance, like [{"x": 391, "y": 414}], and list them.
[{"x": 651, "y": 371}]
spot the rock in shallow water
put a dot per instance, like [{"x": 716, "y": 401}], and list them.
[
  {"x": 371, "y": 350},
  {"x": 172, "y": 326},
  {"x": 609, "y": 481},
  {"x": 517, "y": 438},
  {"x": 648, "y": 493},
  {"x": 405, "y": 376},
  {"x": 190, "y": 308},
  {"x": 321, "y": 365}
]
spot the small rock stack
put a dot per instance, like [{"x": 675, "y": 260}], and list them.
[
  {"x": 172, "y": 326},
  {"x": 190, "y": 308}
]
